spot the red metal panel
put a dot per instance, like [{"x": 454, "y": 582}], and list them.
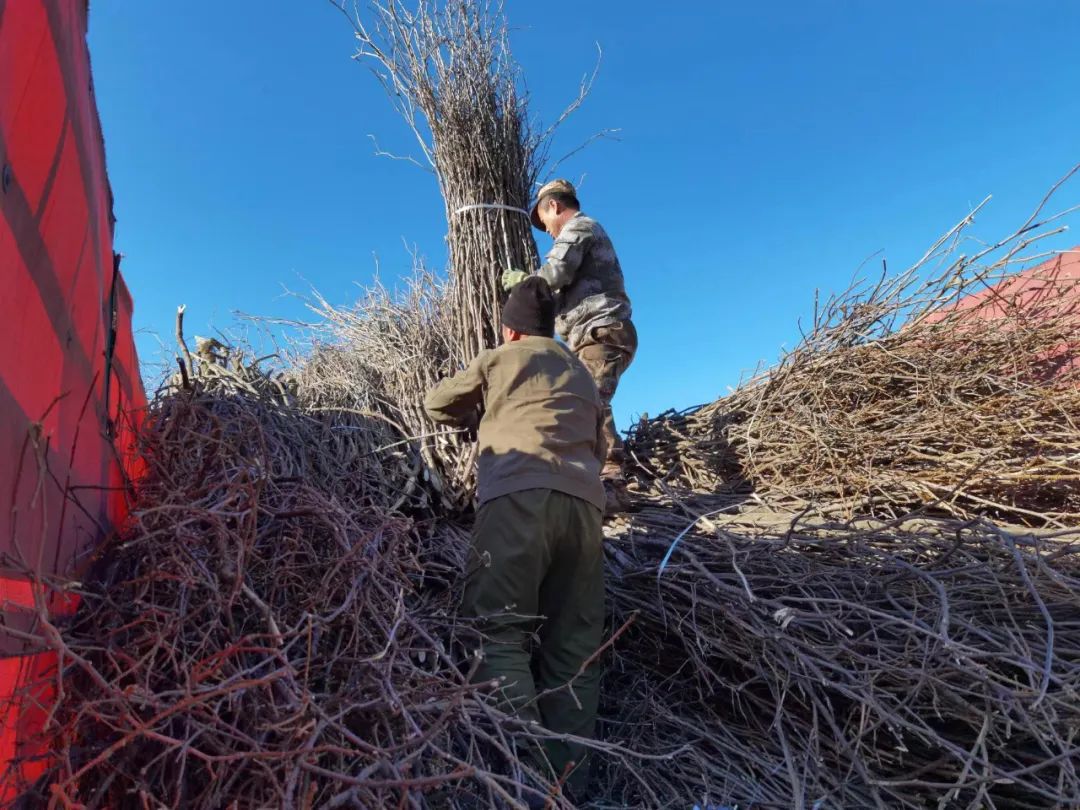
[
  {"x": 11, "y": 672},
  {"x": 64, "y": 221}
]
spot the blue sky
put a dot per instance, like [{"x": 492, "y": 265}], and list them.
[{"x": 766, "y": 149}]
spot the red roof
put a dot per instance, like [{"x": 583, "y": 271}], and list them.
[
  {"x": 1039, "y": 288},
  {"x": 1048, "y": 289}
]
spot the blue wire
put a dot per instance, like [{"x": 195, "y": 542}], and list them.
[{"x": 682, "y": 534}]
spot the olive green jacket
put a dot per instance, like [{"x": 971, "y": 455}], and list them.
[{"x": 542, "y": 422}]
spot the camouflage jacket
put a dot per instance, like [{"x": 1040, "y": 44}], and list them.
[{"x": 584, "y": 272}]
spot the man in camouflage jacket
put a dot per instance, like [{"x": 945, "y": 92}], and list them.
[{"x": 593, "y": 309}]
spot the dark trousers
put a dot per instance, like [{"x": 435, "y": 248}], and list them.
[{"x": 536, "y": 571}]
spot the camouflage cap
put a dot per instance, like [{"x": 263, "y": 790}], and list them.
[{"x": 554, "y": 187}]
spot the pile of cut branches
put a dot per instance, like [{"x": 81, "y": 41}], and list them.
[
  {"x": 377, "y": 360},
  {"x": 855, "y": 578},
  {"x": 269, "y": 631},
  {"x": 813, "y": 663},
  {"x": 899, "y": 398},
  {"x": 276, "y": 625}
]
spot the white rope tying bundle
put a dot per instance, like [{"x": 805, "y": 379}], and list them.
[{"x": 497, "y": 206}]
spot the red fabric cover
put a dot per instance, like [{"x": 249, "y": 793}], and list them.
[{"x": 70, "y": 392}]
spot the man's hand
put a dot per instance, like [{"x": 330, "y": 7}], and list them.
[
  {"x": 472, "y": 425},
  {"x": 512, "y": 277}
]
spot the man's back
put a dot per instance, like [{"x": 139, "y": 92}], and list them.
[{"x": 543, "y": 419}]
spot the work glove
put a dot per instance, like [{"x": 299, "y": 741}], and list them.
[{"x": 511, "y": 278}]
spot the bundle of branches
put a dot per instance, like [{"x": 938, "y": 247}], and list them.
[
  {"x": 914, "y": 663},
  {"x": 447, "y": 69},
  {"x": 898, "y": 398},
  {"x": 354, "y": 454},
  {"x": 377, "y": 360},
  {"x": 267, "y": 632}
]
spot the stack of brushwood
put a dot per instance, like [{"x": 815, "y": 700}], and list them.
[
  {"x": 271, "y": 630},
  {"x": 852, "y": 583},
  {"x": 855, "y": 581},
  {"x": 376, "y": 360},
  {"x": 966, "y": 410},
  {"x": 820, "y": 663},
  {"x": 276, "y": 627},
  {"x": 448, "y": 71}
]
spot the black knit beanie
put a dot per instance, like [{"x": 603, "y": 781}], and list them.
[{"x": 530, "y": 309}]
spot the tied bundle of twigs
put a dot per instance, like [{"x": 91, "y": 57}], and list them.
[
  {"x": 267, "y": 633},
  {"x": 912, "y": 663},
  {"x": 447, "y": 69},
  {"x": 898, "y": 397}
]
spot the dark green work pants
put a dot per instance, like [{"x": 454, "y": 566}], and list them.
[{"x": 536, "y": 569}]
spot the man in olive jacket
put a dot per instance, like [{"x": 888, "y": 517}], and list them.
[{"x": 536, "y": 564}]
